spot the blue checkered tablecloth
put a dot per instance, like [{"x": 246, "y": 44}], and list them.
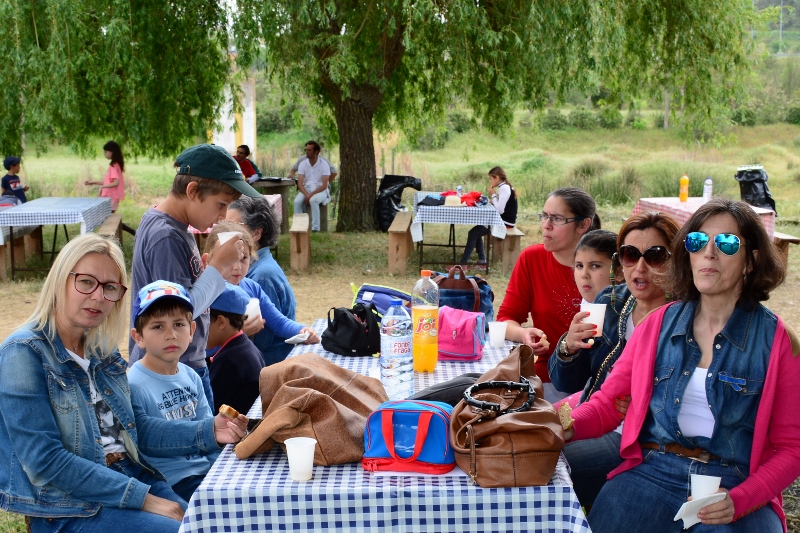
[
  {"x": 257, "y": 494},
  {"x": 89, "y": 212},
  {"x": 473, "y": 216}
]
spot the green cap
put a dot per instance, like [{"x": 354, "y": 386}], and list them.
[{"x": 215, "y": 163}]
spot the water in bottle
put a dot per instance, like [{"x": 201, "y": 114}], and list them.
[
  {"x": 684, "y": 191},
  {"x": 459, "y": 191},
  {"x": 708, "y": 189},
  {"x": 397, "y": 371},
  {"x": 425, "y": 323}
]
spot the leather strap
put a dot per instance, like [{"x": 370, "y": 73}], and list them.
[
  {"x": 464, "y": 283},
  {"x": 388, "y": 434},
  {"x": 115, "y": 457},
  {"x": 692, "y": 453}
]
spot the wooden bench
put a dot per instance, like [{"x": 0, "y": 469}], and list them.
[
  {"x": 111, "y": 227},
  {"x": 323, "y": 218},
  {"x": 507, "y": 250},
  {"x": 300, "y": 243},
  {"x": 782, "y": 241},
  {"x": 400, "y": 243}
]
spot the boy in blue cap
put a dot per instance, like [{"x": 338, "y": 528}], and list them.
[
  {"x": 208, "y": 179},
  {"x": 236, "y": 365},
  {"x": 163, "y": 387},
  {"x": 10, "y": 182}
]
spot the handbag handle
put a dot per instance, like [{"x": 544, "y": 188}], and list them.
[
  {"x": 330, "y": 320},
  {"x": 388, "y": 434},
  {"x": 464, "y": 283},
  {"x": 524, "y": 386}
]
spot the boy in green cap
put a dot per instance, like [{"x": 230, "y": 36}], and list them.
[{"x": 208, "y": 180}]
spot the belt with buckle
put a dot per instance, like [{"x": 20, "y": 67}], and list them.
[
  {"x": 115, "y": 457},
  {"x": 698, "y": 454}
]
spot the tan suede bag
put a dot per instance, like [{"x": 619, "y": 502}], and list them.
[
  {"x": 507, "y": 435},
  {"x": 308, "y": 396}
]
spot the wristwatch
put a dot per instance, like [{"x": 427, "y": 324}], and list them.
[{"x": 562, "y": 352}]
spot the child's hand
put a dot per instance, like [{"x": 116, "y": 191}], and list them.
[
  {"x": 253, "y": 325},
  {"x": 26, "y": 188},
  {"x": 228, "y": 254},
  {"x": 229, "y": 430}
]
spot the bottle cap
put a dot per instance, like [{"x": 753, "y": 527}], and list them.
[
  {"x": 395, "y": 301},
  {"x": 425, "y": 273}
]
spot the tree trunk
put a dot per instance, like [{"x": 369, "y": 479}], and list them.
[{"x": 666, "y": 109}]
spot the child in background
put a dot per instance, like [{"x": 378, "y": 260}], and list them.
[
  {"x": 163, "y": 387},
  {"x": 593, "y": 259},
  {"x": 10, "y": 182},
  {"x": 113, "y": 185},
  {"x": 271, "y": 317},
  {"x": 234, "y": 366}
]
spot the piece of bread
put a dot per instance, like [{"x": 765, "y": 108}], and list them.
[
  {"x": 227, "y": 410},
  {"x": 565, "y": 416}
]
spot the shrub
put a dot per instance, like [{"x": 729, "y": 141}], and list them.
[
  {"x": 526, "y": 122},
  {"x": 535, "y": 163},
  {"x": 459, "y": 122},
  {"x": 554, "y": 120},
  {"x": 658, "y": 121},
  {"x": 744, "y": 116},
  {"x": 793, "y": 115},
  {"x": 431, "y": 139},
  {"x": 587, "y": 170},
  {"x": 272, "y": 121},
  {"x": 639, "y": 123},
  {"x": 609, "y": 117},
  {"x": 635, "y": 119},
  {"x": 583, "y": 119}
]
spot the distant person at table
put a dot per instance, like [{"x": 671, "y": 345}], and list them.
[
  {"x": 542, "y": 283},
  {"x": 256, "y": 215},
  {"x": 504, "y": 200},
  {"x": 247, "y": 166},
  {"x": 208, "y": 179},
  {"x": 10, "y": 182},
  {"x": 313, "y": 175},
  {"x": 296, "y": 166},
  {"x": 113, "y": 185}
]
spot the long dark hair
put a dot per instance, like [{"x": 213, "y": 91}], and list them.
[
  {"x": 498, "y": 172},
  {"x": 116, "y": 154},
  {"x": 580, "y": 203}
]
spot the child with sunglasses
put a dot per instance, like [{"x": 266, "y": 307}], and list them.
[
  {"x": 713, "y": 384},
  {"x": 579, "y": 365}
]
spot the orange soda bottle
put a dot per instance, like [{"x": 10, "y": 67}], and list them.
[
  {"x": 425, "y": 323},
  {"x": 684, "y": 192}
]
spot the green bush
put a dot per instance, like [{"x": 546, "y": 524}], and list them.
[
  {"x": 658, "y": 121},
  {"x": 639, "y": 123},
  {"x": 459, "y": 122},
  {"x": 744, "y": 116},
  {"x": 583, "y": 119},
  {"x": 526, "y": 122},
  {"x": 554, "y": 120},
  {"x": 793, "y": 115},
  {"x": 533, "y": 164},
  {"x": 431, "y": 139},
  {"x": 609, "y": 117},
  {"x": 587, "y": 170}
]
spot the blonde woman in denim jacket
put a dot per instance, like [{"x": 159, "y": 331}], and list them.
[{"x": 69, "y": 439}]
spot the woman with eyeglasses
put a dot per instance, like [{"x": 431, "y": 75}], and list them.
[
  {"x": 713, "y": 381},
  {"x": 542, "y": 284},
  {"x": 69, "y": 438},
  {"x": 643, "y": 254}
]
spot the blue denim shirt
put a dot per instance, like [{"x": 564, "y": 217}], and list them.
[
  {"x": 582, "y": 371},
  {"x": 52, "y": 461},
  {"x": 269, "y": 275},
  {"x": 734, "y": 380}
]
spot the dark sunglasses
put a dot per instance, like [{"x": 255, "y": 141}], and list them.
[
  {"x": 727, "y": 243},
  {"x": 655, "y": 256}
]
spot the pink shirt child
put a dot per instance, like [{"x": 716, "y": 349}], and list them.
[{"x": 115, "y": 193}]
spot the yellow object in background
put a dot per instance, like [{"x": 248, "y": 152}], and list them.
[
  {"x": 425, "y": 337},
  {"x": 684, "y": 195}
]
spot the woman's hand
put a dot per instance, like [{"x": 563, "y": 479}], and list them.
[
  {"x": 719, "y": 512},
  {"x": 578, "y": 331},
  {"x": 536, "y": 339},
  {"x": 313, "y": 338},
  {"x": 229, "y": 430},
  {"x": 621, "y": 404},
  {"x": 163, "y": 507},
  {"x": 253, "y": 325}
]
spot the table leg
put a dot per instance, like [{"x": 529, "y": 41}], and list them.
[
  {"x": 285, "y": 209},
  {"x": 11, "y": 251},
  {"x": 452, "y": 241}
]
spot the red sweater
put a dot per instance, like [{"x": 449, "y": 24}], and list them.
[{"x": 546, "y": 289}]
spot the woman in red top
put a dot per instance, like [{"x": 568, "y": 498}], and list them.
[
  {"x": 542, "y": 283},
  {"x": 113, "y": 185}
]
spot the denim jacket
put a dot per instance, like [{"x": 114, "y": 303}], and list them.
[
  {"x": 734, "y": 381},
  {"x": 53, "y": 462},
  {"x": 589, "y": 368}
]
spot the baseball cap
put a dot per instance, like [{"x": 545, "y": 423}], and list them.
[
  {"x": 215, "y": 163},
  {"x": 232, "y": 300},
  {"x": 10, "y": 161},
  {"x": 157, "y": 290}
]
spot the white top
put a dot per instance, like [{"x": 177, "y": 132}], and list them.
[
  {"x": 303, "y": 157},
  {"x": 312, "y": 176},
  {"x": 695, "y": 418},
  {"x": 501, "y": 196}
]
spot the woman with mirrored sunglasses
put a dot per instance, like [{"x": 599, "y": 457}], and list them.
[
  {"x": 70, "y": 439},
  {"x": 713, "y": 380},
  {"x": 576, "y": 365}
]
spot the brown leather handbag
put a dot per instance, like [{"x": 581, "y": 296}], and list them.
[
  {"x": 504, "y": 433},
  {"x": 309, "y": 396}
]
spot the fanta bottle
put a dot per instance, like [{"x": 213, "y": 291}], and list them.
[{"x": 425, "y": 323}]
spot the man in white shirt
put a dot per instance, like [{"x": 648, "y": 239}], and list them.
[{"x": 313, "y": 175}]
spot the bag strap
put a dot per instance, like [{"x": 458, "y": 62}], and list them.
[
  {"x": 330, "y": 320},
  {"x": 388, "y": 434},
  {"x": 465, "y": 283}
]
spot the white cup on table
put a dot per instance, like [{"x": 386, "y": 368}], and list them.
[
  {"x": 497, "y": 334},
  {"x": 300, "y": 451},
  {"x": 597, "y": 316}
]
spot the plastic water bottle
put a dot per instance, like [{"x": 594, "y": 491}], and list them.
[
  {"x": 459, "y": 190},
  {"x": 397, "y": 367},
  {"x": 708, "y": 189},
  {"x": 425, "y": 323}
]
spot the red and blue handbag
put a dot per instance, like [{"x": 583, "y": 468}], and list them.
[{"x": 409, "y": 436}]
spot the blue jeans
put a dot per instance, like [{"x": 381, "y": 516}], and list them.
[
  {"x": 314, "y": 203},
  {"x": 648, "y": 496},
  {"x": 116, "y": 519},
  {"x": 475, "y": 242},
  {"x": 205, "y": 377},
  {"x": 186, "y": 487},
  {"x": 590, "y": 461}
]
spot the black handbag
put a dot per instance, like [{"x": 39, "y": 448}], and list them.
[{"x": 352, "y": 331}]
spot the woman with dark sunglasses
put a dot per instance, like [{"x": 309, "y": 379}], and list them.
[
  {"x": 576, "y": 364},
  {"x": 714, "y": 389}
]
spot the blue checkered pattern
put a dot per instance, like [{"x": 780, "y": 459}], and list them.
[
  {"x": 89, "y": 212},
  {"x": 472, "y": 216},
  {"x": 257, "y": 494}
]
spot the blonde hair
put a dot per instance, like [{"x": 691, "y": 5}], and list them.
[
  {"x": 103, "y": 339},
  {"x": 227, "y": 225}
]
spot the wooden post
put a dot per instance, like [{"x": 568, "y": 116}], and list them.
[
  {"x": 33, "y": 243},
  {"x": 3, "y": 266},
  {"x": 300, "y": 243},
  {"x": 400, "y": 243},
  {"x": 19, "y": 252},
  {"x": 392, "y": 160}
]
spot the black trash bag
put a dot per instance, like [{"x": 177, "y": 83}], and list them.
[
  {"x": 753, "y": 187},
  {"x": 389, "y": 200}
]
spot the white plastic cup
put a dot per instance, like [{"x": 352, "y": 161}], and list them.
[
  {"x": 597, "y": 316},
  {"x": 497, "y": 334},
  {"x": 225, "y": 236},
  {"x": 253, "y": 308},
  {"x": 704, "y": 485},
  {"x": 300, "y": 451}
]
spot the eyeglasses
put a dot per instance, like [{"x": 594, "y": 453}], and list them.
[
  {"x": 558, "y": 220},
  {"x": 87, "y": 284},
  {"x": 727, "y": 243},
  {"x": 655, "y": 256}
]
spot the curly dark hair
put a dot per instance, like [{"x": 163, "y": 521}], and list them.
[
  {"x": 257, "y": 214},
  {"x": 767, "y": 269}
]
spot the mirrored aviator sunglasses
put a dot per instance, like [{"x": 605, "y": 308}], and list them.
[
  {"x": 655, "y": 256},
  {"x": 727, "y": 243}
]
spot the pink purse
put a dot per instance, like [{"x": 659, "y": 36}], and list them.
[{"x": 461, "y": 334}]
